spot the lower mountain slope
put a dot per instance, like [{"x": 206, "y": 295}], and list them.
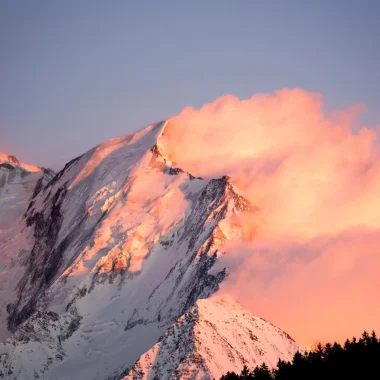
[{"x": 215, "y": 336}]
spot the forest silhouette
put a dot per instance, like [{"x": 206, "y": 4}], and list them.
[{"x": 356, "y": 359}]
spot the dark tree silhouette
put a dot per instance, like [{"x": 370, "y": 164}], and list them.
[{"x": 357, "y": 359}]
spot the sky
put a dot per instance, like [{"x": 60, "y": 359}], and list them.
[{"x": 74, "y": 74}]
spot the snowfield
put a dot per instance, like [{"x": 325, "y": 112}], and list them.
[
  {"x": 215, "y": 336},
  {"x": 109, "y": 272}
]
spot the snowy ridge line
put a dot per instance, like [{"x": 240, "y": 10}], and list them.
[
  {"x": 115, "y": 250},
  {"x": 215, "y": 336}
]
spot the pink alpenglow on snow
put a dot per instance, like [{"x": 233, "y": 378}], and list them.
[
  {"x": 270, "y": 202},
  {"x": 7, "y": 158}
]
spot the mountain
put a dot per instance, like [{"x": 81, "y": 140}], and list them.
[
  {"x": 13, "y": 161},
  {"x": 18, "y": 182},
  {"x": 115, "y": 252},
  {"x": 212, "y": 338}
]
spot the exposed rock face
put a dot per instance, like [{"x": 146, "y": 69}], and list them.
[
  {"x": 40, "y": 340},
  {"x": 7, "y": 166},
  {"x": 18, "y": 185},
  {"x": 42, "y": 264},
  {"x": 113, "y": 251}
]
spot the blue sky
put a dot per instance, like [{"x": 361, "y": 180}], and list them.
[{"x": 76, "y": 73}]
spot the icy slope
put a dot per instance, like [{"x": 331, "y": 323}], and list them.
[
  {"x": 16, "y": 188},
  {"x": 119, "y": 241},
  {"x": 213, "y": 337},
  {"x": 114, "y": 250},
  {"x": 17, "y": 184}
]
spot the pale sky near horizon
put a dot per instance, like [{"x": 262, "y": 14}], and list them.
[{"x": 76, "y": 73}]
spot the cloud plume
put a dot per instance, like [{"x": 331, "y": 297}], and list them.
[{"x": 308, "y": 261}]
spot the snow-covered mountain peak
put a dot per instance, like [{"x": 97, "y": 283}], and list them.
[
  {"x": 120, "y": 245},
  {"x": 213, "y": 337},
  {"x": 10, "y": 159},
  {"x": 18, "y": 183},
  {"x": 16, "y": 169},
  {"x": 4, "y": 157}
]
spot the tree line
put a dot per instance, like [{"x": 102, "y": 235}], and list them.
[{"x": 356, "y": 359}]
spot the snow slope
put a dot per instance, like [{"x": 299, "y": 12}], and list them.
[
  {"x": 16, "y": 188},
  {"x": 112, "y": 252},
  {"x": 215, "y": 336},
  {"x": 17, "y": 184}
]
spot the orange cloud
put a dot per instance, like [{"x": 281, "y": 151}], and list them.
[
  {"x": 320, "y": 290},
  {"x": 315, "y": 179}
]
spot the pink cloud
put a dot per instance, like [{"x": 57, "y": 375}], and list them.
[
  {"x": 322, "y": 289},
  {"x": 309, "y": 258}
]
